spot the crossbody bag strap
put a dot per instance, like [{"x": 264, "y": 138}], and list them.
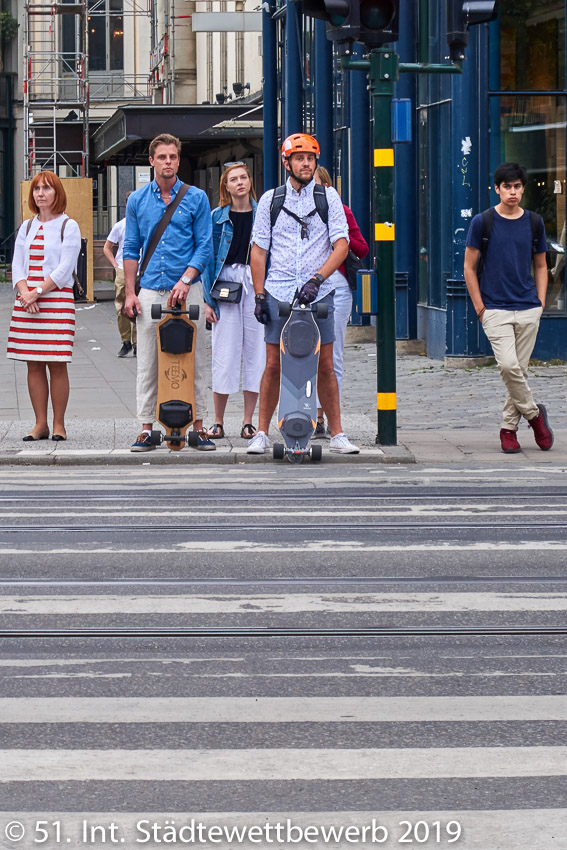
[{"x": 162, "y": 224}]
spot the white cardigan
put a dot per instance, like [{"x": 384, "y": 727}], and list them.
[{"x": 60, "y": 257}]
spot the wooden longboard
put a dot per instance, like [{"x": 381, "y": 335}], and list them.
[{"x": 176, "y": 380}]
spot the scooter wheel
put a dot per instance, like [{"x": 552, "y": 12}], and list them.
[
  {"x": 156, "y": 436},
  {"x": 316, "y": 453},
  {"x": 192, "y": 436},
  {"x": 156, "y": 311},
  {"x": 193, "y": 312},
  {"x": 284, "y": 309},
  {"x": 322, "y": 311},
  {"x": 278, "y": 451}
]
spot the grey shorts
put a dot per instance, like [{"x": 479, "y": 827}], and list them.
[{"x": 273, "y": 330}]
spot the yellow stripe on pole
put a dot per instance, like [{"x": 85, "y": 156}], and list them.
[
  {"x": 383, "y": 157},
  {"x": 384, "y": 232},
  {"x": 386, "y": 401}
]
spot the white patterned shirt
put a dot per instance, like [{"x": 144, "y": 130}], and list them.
[{"x": 293, "y": 260}]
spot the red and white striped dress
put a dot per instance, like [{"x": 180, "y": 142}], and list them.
[{"x": 49, "y": 334}]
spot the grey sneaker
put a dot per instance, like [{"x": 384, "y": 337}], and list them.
[
  {"x": 259, "y": 444},
  {"x": 319, "y": 430},
  {"x": 340, "y": 443}
]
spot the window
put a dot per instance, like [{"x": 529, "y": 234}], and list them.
[
  {"x": 106, "y": 35},
  {"x": 532, "y": 45}
]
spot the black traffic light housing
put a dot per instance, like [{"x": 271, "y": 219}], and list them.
[
  {"x": 462, "y": 14},
  {"x": 371, "y": 22}
]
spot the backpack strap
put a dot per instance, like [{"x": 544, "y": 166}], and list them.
[
  {"x": 321, "y": 202},
  {"x": 30, "y": 222},
  {"x": 536, "y": 222},
  {"x": 487, "y": 224},
  {"x": 278, "y": 200}
]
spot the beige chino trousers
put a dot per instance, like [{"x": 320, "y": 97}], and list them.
[
  {"x": 512, "y": 334},
  {"x": 126, "y": 328}
]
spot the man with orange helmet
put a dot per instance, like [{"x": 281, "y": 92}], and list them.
[{"x": 292, "y": 255}]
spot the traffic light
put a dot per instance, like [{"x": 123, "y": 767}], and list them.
[
  {"x": 372, "y": 22},
  {"x": 462, "y": 14}
]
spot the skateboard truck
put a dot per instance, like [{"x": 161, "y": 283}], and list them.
[
  {"x": 176, "y": 338},
  {"x": 299, "y": 356}
]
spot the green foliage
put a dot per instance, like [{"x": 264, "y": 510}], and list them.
[{"x": 8, "y": 26}]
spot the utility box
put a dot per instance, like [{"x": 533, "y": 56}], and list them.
[{"x": 367, "y": 292}]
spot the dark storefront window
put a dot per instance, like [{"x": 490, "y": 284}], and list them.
[
  {"x": 532, "y": 131},
  {"x": 532, "y": 45},
  {"x": 528, "y": 55}
]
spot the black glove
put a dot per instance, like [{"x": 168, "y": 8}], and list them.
[
  {"x": 310, "y": 290},
  {"x": 261, "y": 311}
]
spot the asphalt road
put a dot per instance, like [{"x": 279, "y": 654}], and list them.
[{"x": 374, "y": 648}]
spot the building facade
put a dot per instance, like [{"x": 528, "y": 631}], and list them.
[{"x": 508, "y": 104}]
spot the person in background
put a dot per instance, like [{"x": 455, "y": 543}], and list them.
[
  {"x": 237, "y": 338},
  {"x": 42, "y": 329},
  {"x": 126, "y": 328},
  {"x": 509, "y": 300},
  {"x": 343, "y": 295}
]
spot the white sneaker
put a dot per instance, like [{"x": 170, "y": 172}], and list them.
[
  {"x": 341, "y": 443},
  {"x": 259, "y": 444}
]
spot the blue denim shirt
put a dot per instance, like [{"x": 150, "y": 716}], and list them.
[
  {"x": 222, "y": 239},
  {"x": 186, "y": 240}
]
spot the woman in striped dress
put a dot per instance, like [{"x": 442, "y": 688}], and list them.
[{"x": 43, "y": 319}]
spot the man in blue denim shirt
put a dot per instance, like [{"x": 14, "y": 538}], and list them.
[{"x": 172, "y": 275}]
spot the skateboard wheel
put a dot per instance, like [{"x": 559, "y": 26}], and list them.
[
  {"x": 321, "y": 311},
  {"x": 156, "y": 311},
  {"x": 278, "y": 451},
  {"x": 193, "y": 312},
  {"x": 155, "y": 436},
  {"x": 192, "y": 436},
  {"x": 284, "y": 309},
  {"x": 316, "y": 453}
]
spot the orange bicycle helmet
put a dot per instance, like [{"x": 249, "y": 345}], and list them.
[{"x": 299, "y": 143}]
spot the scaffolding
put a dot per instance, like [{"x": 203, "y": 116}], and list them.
[
  {"x": 56, "y": 88},
  {"x": 60, "y": 91}
]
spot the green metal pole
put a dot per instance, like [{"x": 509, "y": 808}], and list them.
[{"x": 383, "y": 74}]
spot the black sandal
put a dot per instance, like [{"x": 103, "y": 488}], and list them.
[
  {"x": 248, "y": 431},
  {"x": 216, "y": 432}
]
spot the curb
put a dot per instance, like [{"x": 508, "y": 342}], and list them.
[{"x": 164, "y": 457}]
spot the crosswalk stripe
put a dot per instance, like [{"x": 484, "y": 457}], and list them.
[
  {"x": 280, "y": 764},
  {"x": 284, "y": 603},
  {"x": 312, "y": 546},
  {"x": 283, "y": 709}
]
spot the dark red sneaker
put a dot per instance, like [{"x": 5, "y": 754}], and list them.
[
  {"x": 509, "y": 442},
  {"x": 542, "y": 432}
]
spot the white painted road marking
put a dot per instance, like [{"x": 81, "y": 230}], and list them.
[
  {"x": 279, "y": 764},
  {"x": 285, "y": 603},
  {"x": 284, "y": 709}
]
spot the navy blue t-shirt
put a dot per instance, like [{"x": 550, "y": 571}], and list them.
[{"x": 507, "y": 282}]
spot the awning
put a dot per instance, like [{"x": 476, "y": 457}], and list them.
[{"x": 125, "y": 136}]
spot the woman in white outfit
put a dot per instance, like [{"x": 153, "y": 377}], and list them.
[
  {"x": 238, "y": 339},
  {"x": 42, "y": 329}
]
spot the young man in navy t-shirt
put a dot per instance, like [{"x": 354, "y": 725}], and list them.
[{"x": 509, "y": 301}]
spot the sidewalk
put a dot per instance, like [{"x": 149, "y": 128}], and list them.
[{"x": 445, "y": 415}]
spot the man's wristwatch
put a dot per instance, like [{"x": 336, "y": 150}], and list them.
[
  {"x": 260, "y": 296},
  {"x": 39, "y": 290},
  {"x": 186, "y": 280},
  {"x": 318, "y": 277}
]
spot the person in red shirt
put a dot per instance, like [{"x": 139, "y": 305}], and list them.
[{"x": 343, "y": 294}]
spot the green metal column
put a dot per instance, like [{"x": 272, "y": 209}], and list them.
[{"x": 383, "y": 74}]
